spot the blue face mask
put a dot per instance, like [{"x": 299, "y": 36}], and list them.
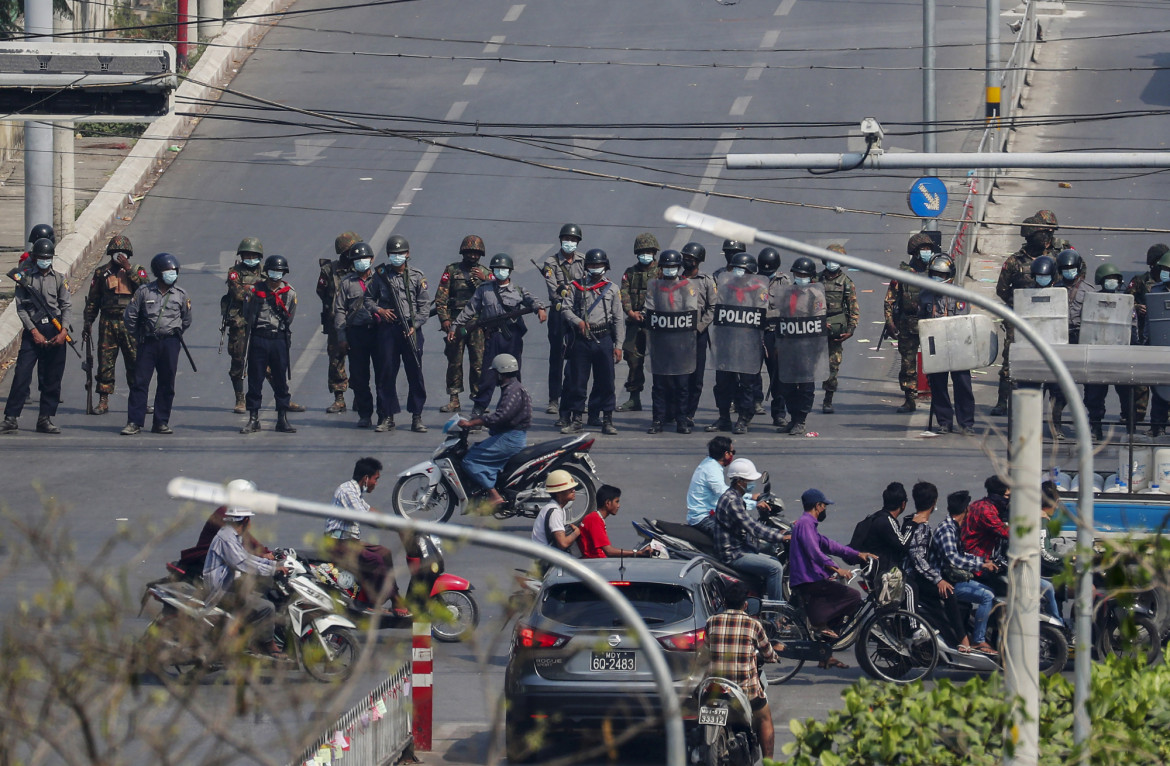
[
  {"x": 396, "y": 259},
  {"x": 568, "y": 247},
  {"x": 251, "y": 263},
  {"x": 925, "y": 255},
  {"x": 502, "y": 274},
  {"x": 1044, "y": 280},
  {"x": 1164, "y": 276},
  {"x": 361, "y": 265},
  {"x": 596, "y": 272},
  {"x": 750, "y": 488},
  {"x": 1069, "y": 274},
  {"x": 938, "y": 278},
  {"x": 738, "y": 271},
  {"x": 802, "y": 281},
  {"x": 276, "y": 276},
  {"x": 670, "y": 271},
  {"x": 170, "y": 276},
  {"x": 832, "y": 266},
  {"x": 44, "y": 263},
  {"x": 645, "y": 258}
]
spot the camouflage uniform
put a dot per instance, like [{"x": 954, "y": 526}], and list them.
[
  {"x": 633, "y": 295},
  {"x": 843, "y": 316},
  {"x": 901, "y": 312},
  {"x": 240, "y": 280},
  {"x": 332, "y": 272},
  {"x": 456, "y": 286},
  {"x": 110, "y": 290}
]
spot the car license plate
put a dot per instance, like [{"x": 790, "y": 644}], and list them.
[
  {"x": 622, "y": 661},
  {"x": 712, "y": 716}
]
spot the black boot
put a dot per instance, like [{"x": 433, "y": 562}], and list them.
[
  {"x": 594, "y": 420},
  {"x": 45, "y": 426},
  {"x": 238, "y": 387},
  {"x": 655, "y": 427},
  {"x": 827, "y": 405},
  {"x": 797, "y": 428},
  {"x": 1057, "y": 428},
  {"x": 607, "y": 426},
  {"x": 682, "y": 426},
  {"x": 1001, "y": 403},
  {"x": 9, "y": 426},
  {"x": 573, "y": 424},
  {"x": 1098, "y": 432},
  {"x": 416, "y": 424},
  {"x": 338, "y": 404},
  {"x": 779, "y": 421},
  {"x": 741, "y": 425},
  {"x": 282, "y": 423},
  {"x": 253, "y": 424},
  {"x": 910, "y": 404},
  {"x": 633, "y": 404},
  {"x": 723, "y": 423}
]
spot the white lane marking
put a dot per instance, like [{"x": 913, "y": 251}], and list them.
[
  {"x": 474, "y": 76},
  {"x": 754, "y": 72},
  {"x": 227, "y": 259},
  {"x": 711, "y": 175},
  {"x": 770, "y": 39},
  {"x": 785, "y": 7},
  {"x": 740, "y": 105},
  {"x": 493, "y": 45},
  {"x": 514, "y": 12}
]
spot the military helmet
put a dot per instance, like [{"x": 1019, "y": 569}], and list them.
[
  {"x": 276, "y": 263},
  {"x": 804, "y": 266},
  {"x": 744, "y": 260},
  {"x": 768, "y": 260},
  {"x": 1069, "y": 259},
  {"x": 1106, "y": 270},
  {"x": 119, "y": 244},
  {"x": 1043, "y": 265},
  {"x": 670, "y": 258},
  {"x": 919, "y": 241},
  {"x": 1164, "y": 261},
  {"x": 250, "y": 245},
  {"x": 42, "y": 231},
  {"x": 358, "y": 251},
  {"x": 695, "y": 250},
  {"x": 733, "y": 246},
  {"x": 570, "y": 230},
  {"x": 1155, "y": 252},
  {"x": 596, "y": 257},
  {"x": 943, "y": 265},
  {"x": 501, "y": 261},
  {"x": 43, "y": 247},
  {"x": 345, "y": 240},
  {"x": 645, "y": 241},
  {"x": 163, "y": 262},
  {"x": 1043, "y": 220},
  {"x": 397, "y": 244},
  {"x": 471, "y": 244}
]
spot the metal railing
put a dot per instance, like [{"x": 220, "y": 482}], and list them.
[{"x": 373, "y": 737}]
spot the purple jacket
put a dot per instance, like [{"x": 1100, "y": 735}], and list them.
[{"x": 808, "y": 553}]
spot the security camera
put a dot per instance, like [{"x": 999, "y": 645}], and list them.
[{"x": 872, "y": 130}]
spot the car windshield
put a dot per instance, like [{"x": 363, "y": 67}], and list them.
[{"x": 578, "y": 605}]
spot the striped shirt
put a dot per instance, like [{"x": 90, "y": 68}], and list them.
[
  {"x": 348, "y": 496},
  {"x": 225, "y": 557},
  {"x": 733, "y": 641}
]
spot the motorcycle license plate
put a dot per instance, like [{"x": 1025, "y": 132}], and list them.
[
  {"x": 712, "y": 716},
  {"x": 621, "y": 661},
  {"x": 589, "y": 462}
]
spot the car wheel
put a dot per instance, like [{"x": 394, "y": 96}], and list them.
[{"x": 586, "y": 500}]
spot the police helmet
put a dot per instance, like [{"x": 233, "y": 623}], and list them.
[
  {"x": 42, "y": 231},
  {"x": 471, "y": 244},
  {"x": 276, "y": 263},
  {"x": 732, "y": 246},
  {"x": 596, "y": 257},
  {"x": 1155, "y": 252},
  {"x": 1069, "y": 259},
  {"x": 250, "y": 245},
  {"x": 744, "y": 260},
  {"x": 768, "y": 261},
  {"x": 1104, "y": 271},
  {"x": 358, "y": 251},
  {"x": 397, "y": 244},
  {"x": 1043, "y": 265},
  {"x": 670, "y": 258},
  {"x": 505, "y": 363},
  {"x": 942, "y": 265},
  {"x": 570, "y": 230},
  {"x": 345, "y": 240},
  {"x": 119, "y": 244},
  {"x": 645, "y": 241},
  {"x": 43, "y": 248},
  {"x": 919, "y": 241},
  {"x": 163, "y": 262},
  {"x": 804, "y": 266},
  {"x": 501, "y": 261},
  {"x": 695, "y": 250}
]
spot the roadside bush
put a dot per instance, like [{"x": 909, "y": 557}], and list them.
[{"x": 964, "y": 724}]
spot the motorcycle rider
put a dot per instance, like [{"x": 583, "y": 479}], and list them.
[
  {"x": 947, "y": 556},
  {"x": 708, "y": 485},
  {"x": 507, "y": 428},
  {"x": 191, "y": 559},
  {"x": 738, "y": 536},
  {"x": 594, "y": 540},
  {"x": 932, "y": 590},
  {"x": 880, "y": 532}
]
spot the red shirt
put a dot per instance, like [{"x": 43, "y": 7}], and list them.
[
  {"x": 983, "y": 530},
  {"x": 594, "y": 536}
]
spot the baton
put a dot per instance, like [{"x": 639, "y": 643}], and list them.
[{"x": 190, "y": 359}]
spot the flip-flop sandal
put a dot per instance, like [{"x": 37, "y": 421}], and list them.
[
  {"x": 827, "y": 635},
  {"x": 965, "y": 649},
  {"x": 832, "y": 662}
]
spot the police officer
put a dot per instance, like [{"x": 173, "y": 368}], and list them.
[
  {"x": 932, "y": 306},
  {"x": 401, "y": 305},
  {"x": 332, "y": 272},
  {"x": 1108, "y": 278},
  {"x": 43, "y": 306},
  {"x": 1070, "y": 274},
  {"x": 799, "y": 397},
  {"x": 731, "y": 248},
  {"x": 559, "y": 271},
  {"x": 110, "y": 290},
  {"x": 38, "y": 232},
  {"x": 1138, "y": 287},
  {"x": 456, "y": 286},
  {"x": 633, "y": 294},
  {"x": 842, "y": 316},
  {"x": 671, "y": 342},
  {"x": 768, "y": 265},
  {"x": 1038, "y": 232},
  {"x": 489, "y": 306},
  {"x": 694, "y": 254},
  {"x": 1159, "y": 407},
  {"x": 356, "y": 334},
  {"x": 741, "y": 305},
  {"x": 593, "y": 314},
  {"x": 901, "y": 314},
  {"x": 268, "y": 315},
  {"x": 157, "y": 316}
]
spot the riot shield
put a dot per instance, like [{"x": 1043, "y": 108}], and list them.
[
  {"x": 802, "y": 345},
  {"x": 737, "y": 334},
  {"x": 672, "y": 318},
  {"x": 1106, "y": 319},
  {"x": 1046, "y": 309},
  {"x": 1158, "y": 326}
]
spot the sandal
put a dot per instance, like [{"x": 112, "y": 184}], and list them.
[
  {"x": 985, "y": 648},
  {"x": 832, "y": 662},
  {"x": 965, "y": 649},
  {"x": 827, "y": 635}
]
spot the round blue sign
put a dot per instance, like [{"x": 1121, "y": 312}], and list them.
[{"x": 927, "y": 197}]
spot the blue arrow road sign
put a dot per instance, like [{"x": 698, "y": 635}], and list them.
[{"x": 927, "y": 197}]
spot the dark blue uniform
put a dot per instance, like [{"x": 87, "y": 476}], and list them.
[
  {"x": 157, "y": 316},
  {"x": 404, "y": 292},
  {"x": 49, "y": 360},
  {"x": 493, "y": 299},
  {"x": 269, "y": 313}
]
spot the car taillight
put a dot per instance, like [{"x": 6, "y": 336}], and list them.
[
  {"x": 684, "y": 642},
  {"x": 528, "y": 637}
]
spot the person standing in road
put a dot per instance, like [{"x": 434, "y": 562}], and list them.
[
  {"x": 507, "y": 429},
  {"x": 738, "y": 536},
  {"x": 731, "y": 248},
  {"x": 157, "y": 316},
  {"x": 768, "y": 264},
  {"x": 933, "y": 305},
  {"x": 458, "y": 283},
  {"x": 356, "y": 334},
  {"x": 268, "y": 315},
  {"x": 110, "y": 290},
  {"x": 1159, "y": 407},
  {"x": 332, "y": 272},
  {"x": 1108, "y": 279},
  {"x": 594, "y": 540},
  {"x": 559, "y": 271},
  {"x": 593, "y": 317},
  {"x": 842, "y": 317},
  {"x": 44, "y": 308},
  {"x": 799, "y": 309},
  {"x": 742, "y": 303},
  {"x": 901, "y": 314},
  {"x": 398, "y": 299},
  {"x": 633, "y": 294},
  {"x": 671, "y": 310},
  {"x": 693, "y": 254},
  {"x": 1138, "y": 286}
]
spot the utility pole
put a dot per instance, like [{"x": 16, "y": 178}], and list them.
[
  {"x": 38, "y": 136},
  {"x": 929, "y": 110},
  {"x": 65, "y": 194}
]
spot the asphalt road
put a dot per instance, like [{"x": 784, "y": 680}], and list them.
[{"x": 652, "y": 90}]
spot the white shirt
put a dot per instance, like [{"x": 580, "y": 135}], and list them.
[{"x": 556, "y": 520}]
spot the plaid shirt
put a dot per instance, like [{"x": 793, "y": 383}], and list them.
[
  {"x": 736, "y": 532},
  {"x": 733, "y": 640},
  {"x": 348, "y": 496},
  {"x": 944, "y": 549},
  {"x": 983, "y": 529}
]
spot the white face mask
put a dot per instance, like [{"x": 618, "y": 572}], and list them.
[
  {"x": 738, "y": 271},
  {"x": 502, "y": 274},
  {"x": 645, "y": 258},
  {"x": 251, "y": 262},
  {"x": 1111, "y": 285},
  {"x": 396, "y": 259},
  {"x": 361, "y": 265},
  {"x": 44, "y": 263},
  {"x": 802, "y": 281},
  {"x": 170, "y": 276},
  {"x": 276, "y": 276},
  {"x": 832, "y": 266},
  {"x": 568, "y": 246},
  {"x": 670, "y": 271},
  {"x": 596, "y": 272}
]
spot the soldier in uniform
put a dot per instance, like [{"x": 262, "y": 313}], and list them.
[
  {"x": 593, "y": 314},
  {"x": 932, "y": 306},
  {"x": 633, "y": 294},
  {"x": 456, "y": 286},
  {"x": 353, "y": 324},
  {"x": 240, "y": 279},
  {"x": 901, "y": 314},
  {"x": 1108, "y": 279},
  {"x": 488, "y": 306},
  {"x": 768, "y": 265},
  {"x": 157, "y": 316},
  {"x": 332, "y": 272},
  {"x": 1037, "y": 231},
  {"x": 559, "y": 270},
  {"x": 110, "y": 290},
  {"x": 694, "y": 254},
  {"x": 268, "y": 315},
  {"x": 401, "y": 305},
  {"x": 42, "y": 342},
  {"x": 843, "y": 316},
  {"x": 1138, "y": 287}
]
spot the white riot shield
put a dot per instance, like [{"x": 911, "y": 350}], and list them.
[
  {"x": 802, "y": 345},
  {"x": 737, "y": 334},
  {"x": 1107, "y": 319},
  {"x": 957, "y": 343},
  {"x": 1046, "y": 309},
  {"x": 672, "y": 319}
]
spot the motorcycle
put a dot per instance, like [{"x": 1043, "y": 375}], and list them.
[
  {"x": 187, "y": 634},
  {"x": 432, "y": 489},
  {"x": 723, "y": 735}
]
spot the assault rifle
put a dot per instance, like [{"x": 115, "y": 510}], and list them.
[
  {"x": 17, "y": 276},
  {"x": 885, "y": 334},
  {"x": 477, "y": 324},
  {"x": 87, "y": 365},
  {"x": 400, "y": 318}
]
